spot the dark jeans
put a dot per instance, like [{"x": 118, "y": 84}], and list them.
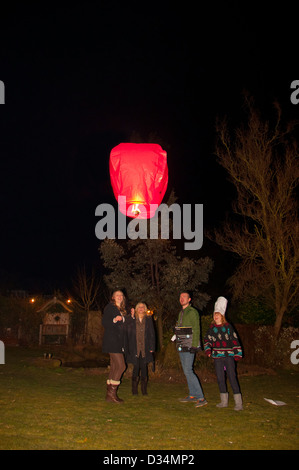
[
  {"x": 229, "y": 364},
  {"x": 141, "y": 366}
]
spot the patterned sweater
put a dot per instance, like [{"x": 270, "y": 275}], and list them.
[{"x": 222, "y": 341}]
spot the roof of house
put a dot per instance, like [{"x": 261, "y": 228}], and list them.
[{"x": 55, "y": 305}]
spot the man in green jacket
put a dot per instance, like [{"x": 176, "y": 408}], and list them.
[{"x": 189, "y": 317}]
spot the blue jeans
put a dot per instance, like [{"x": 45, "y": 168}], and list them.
[{"x": 187, "y": 360}]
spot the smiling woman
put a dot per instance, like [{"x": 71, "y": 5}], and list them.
[{"x": 114, "y": 317}]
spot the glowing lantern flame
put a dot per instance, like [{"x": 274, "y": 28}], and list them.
[
  {"x": 135, "y": 209},
  {"x": 139, "y": 178}
]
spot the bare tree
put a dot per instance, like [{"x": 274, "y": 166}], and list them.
[
  {"x": 86, "y": 288},
  {"x": 262, "y": 162}
]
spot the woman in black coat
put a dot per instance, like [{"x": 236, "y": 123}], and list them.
[
  {"x": 114, "y": 318},
  {"x": 139, "y": 345}
]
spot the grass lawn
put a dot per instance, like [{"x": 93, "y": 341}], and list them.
[{"x": 64, "y": 408}]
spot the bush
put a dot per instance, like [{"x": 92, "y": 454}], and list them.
[
  {"x": 252, "y": 311},
  {"x": 21, "y": 316},
  {"x": 204, "y": 363},
  {"x": 271, "y": 352},
  {"x": 205, "y": 322},
  {"x": 171, "y": 359}
]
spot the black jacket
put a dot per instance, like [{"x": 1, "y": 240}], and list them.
[
  {"x": 130, "y": 340},
  {"x": 113, "y": 339}
]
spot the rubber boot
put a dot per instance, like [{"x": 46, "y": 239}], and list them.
[
  {"x": 135, "y": 381},
  {"x": 238, "y": 402},
  {"x": 112, "y": 394},
  {"x": 224, "y": 400},
  {"x": 144, "y": 385}
]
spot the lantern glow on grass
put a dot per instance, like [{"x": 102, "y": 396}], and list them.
[{"x": 139, "y": 178}]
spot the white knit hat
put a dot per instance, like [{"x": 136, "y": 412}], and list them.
[{"x": 220, "y": 305}]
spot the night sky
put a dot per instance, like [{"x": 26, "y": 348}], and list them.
[{"x": 81, "y": 79}]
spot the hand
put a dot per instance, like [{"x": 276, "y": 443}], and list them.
[{"x": 118, "y": 318}]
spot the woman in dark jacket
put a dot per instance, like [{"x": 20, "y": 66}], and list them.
[
  {"x": 139, "y": 346},
  {"x": 114, "y": 317}
]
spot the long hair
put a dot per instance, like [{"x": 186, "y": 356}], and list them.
[{"x": 122, "y": 307}]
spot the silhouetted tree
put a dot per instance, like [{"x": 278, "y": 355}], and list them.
[{"x": 262, "y": 163}]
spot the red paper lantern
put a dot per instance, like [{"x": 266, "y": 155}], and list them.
[{"x": 139, "y": 177}]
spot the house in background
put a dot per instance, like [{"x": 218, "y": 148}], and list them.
[{"x": 55, "y": 327}]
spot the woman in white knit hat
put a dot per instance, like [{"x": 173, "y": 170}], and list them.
[{"x": 222, "y": 344}]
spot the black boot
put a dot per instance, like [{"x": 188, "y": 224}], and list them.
[
  {"x": 135, "y": 381},
  {"x": 144, "y": 385}
]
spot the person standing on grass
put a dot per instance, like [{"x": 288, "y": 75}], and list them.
[
  {"x": 222, "y": 344},
  {"x": 114, "y": 318},
  {"x": 140, "y": 346},
  {"x": 189, "y": 317}
]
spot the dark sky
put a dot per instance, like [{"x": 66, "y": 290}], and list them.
[{"x": 80, "y": 79}]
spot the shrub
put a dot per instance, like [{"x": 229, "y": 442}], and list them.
[
  {"x": 252, "y": 311},
  {"x": 171, "y": 358},
  {"x": 271, "y": 352}
]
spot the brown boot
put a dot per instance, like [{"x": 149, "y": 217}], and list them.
[
  {"x": 114, "y": 388},
  {"x": 112, "y": 394}
]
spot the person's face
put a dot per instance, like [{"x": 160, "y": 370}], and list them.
[
  {"x": 141, "y": 310},
  {"x": 184, "y": 299},
  {"x": 118, "y": 296},
  {"x": 217, "y": 318}
]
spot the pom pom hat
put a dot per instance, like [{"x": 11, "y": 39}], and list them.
[{"x": 220, "y": 305}]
